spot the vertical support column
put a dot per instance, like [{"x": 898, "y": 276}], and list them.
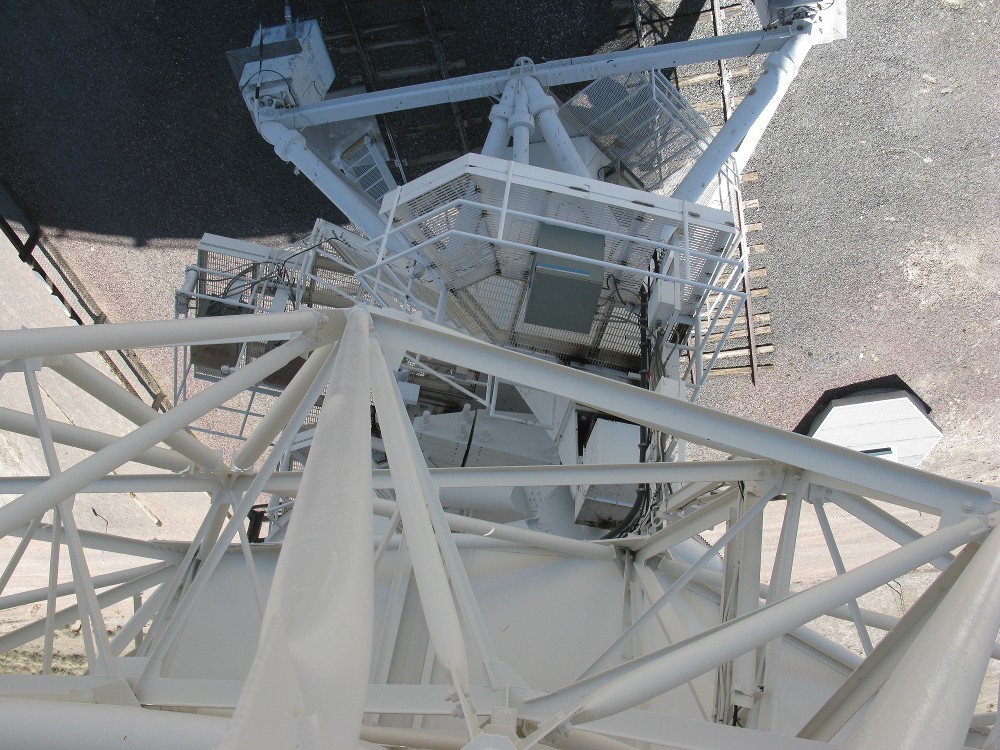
[
  {"x": 746, "y": 590},
  {"x": 310, "y": 689},
  {"x": 499, "y": 134},
  {"x": 762, "y": 714},
  {"x": 545, "y": 110},
  {"x": 521, "y": 124},
  {"x": 432, "y": 548}
]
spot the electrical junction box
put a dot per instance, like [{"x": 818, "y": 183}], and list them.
[
  {"x": 565, "y": 293},
  {"x": 604, "y": 505},
  {"x": 289, "y": 64},
  {"x": 664, "y": 301}
]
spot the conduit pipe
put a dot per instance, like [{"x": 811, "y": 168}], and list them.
[
  {"x": 23, "y": 510},
  {"x": 931, "y": 695},
  {"x": 545, "y": 111},
  {"x": 741, "y": 133}
]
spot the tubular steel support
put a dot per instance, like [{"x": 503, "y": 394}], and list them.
[
  {"x": 58, "y": 488},
  {"x": 414, "y": 498},
  {"x": 929, "y": 698},
  {"x": 554, "y": 73},
  {"x": 620, "y": 688},
  {"x": 739, "y": 136},
  {"x": 825, "y": 464}
]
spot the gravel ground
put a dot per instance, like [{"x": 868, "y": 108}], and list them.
[{"x": 878, "y": 195}]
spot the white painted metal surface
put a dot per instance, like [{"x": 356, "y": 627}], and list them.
[{"x": 422, "y": 582}]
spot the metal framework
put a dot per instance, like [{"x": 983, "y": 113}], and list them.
[
  {"x": 399, "y": 603},
  {"x": 335, "y": 581}
]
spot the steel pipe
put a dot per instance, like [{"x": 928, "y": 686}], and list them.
[
  {"x": 628, "y": 685},
  {"x": 48, "y": 342},
  {"x": 558, "y": 72},
  {"x": 546, "y": 112},
  {"x": 825, "y": 464},
  {"x": 276, "y": 418},
  {"x": 540, "y": 540},
  {"x": 46, "y": 496},
  {"x": 130, "y": 406},
  {"x": 930, "y": 697},
  {"x": 521, "y": 125},
  {"x": 324, "y": 579},
  {"x": 740, "y": 134},
  {"x": 428, "y": 566},
  {"x": 31, "y": 725},
  {"x": 499, "y": 133},
  {"x": 69, "y": 587},
  {"x": 291, "y": 146},
  {"x": 691, "y": 659},
  {"x": 88, "y": 440}
]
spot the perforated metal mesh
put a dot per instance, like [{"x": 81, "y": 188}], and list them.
[
  {"x": 642, "y": 120},
  {"x": 364, "y": 166}
]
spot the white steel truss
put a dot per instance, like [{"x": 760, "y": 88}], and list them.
[{"x": 334, "y": 615}]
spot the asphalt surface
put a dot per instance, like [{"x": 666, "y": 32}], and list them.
[{"x": 124, "y": 133}]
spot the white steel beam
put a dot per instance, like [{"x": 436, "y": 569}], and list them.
[
  {"x": 825, "y": 464},
  {"x": 214, "y": 544},
  {"x": 929, "y": 699},
  {"x": 622, "y": 687},
  {"x": 869, "y": 677},
  {"x": 32, "y": 504},
  {"x": 88, "y": 440},
  {"x": 94, "y": 633},
  {"x": 277, "y": 416},
  {"x": 37, "y": 629},
  {"x": 880, "y": 520},
  {"x": 414, "y": 496},
  {"x": 312, "y": 691},
  {"x": 64, "y": 589},
  {"x": 558, "y": 72},
  {"x": 762, "y": 713},
  {"x": 710, "y": 515},
  {"x": 130, "y": 406},
  {"x": 838, "y": 566},
  {"x": 515, "y": 534},
  {"x": 31, "y": 725},
  {"x": 48, "y": 342},
  {"x": 709, "y": 555},
  {"x": 739, "y": 136},
  {"x": 111, "y": 543},
  {"x": 287, "y": 482}
]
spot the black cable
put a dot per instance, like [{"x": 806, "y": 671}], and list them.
[{"x": 258, "y": 74}]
